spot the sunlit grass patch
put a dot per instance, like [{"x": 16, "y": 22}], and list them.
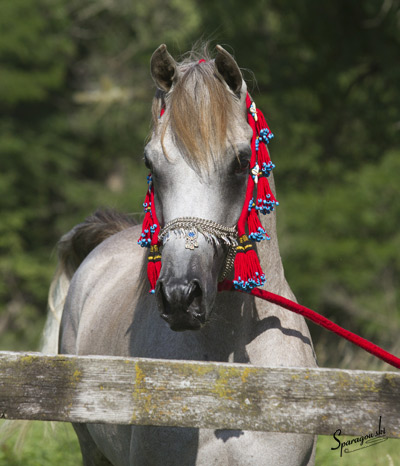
[
  {"x": 40, "y": 444},
  {"x": 386, "y": 453}
]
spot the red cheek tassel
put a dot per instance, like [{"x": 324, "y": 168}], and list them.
[
  {"x": 153, "y": 267},
  {"x": 248, "y": 272},
  {"x": 154, "y": 258},
  {"x": 148, "y": 225},
  {"x": 266, "y": 201},
  {"x": 149, "y": 237},
  {"x": 254, "y": 226},
  {"x": 247, "y": 269}
]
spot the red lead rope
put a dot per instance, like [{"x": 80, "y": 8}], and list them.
[{"x": 380, "y": 353}]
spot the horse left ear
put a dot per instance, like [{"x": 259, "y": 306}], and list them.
[
  {"x": 228, "y": 69},
  {"x": 163, "y": 68}
]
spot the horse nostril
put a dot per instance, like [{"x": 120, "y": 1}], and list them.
[
  {"x": 162, "y": 300},
  {"x": 194, "y": 296}
]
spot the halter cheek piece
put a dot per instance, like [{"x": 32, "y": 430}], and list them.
[{"x": 241, "y": 254}]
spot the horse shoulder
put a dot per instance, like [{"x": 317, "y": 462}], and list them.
[{"x": 107, "y": 283}]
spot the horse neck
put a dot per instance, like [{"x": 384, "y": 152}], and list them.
[{"x": 236, "y": 315}]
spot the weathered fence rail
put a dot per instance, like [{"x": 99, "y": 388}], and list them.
[{"x": 197, "y": 394}]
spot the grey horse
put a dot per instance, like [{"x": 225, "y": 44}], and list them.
[{"x": 198, "y": 155}]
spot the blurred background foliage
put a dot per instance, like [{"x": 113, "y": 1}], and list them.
[{"x": 75, "y": 96}]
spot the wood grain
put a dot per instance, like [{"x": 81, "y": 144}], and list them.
[{"x": 197, "y": 394}]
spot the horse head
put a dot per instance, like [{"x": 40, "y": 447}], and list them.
[{"x": 199, "y": 156}]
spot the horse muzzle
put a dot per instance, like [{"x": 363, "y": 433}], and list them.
[
  {"x": 188, "y": 281},
  {"x": 181, "y": 304}
]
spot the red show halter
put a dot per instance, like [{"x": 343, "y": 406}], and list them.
[{"x": 248, "y": 273}]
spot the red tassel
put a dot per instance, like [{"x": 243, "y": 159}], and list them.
[
  {"x": 154, "y": 264},
  {"x": 248, "y": 272},
  {"x": 153, "y": 267},
  {"x": 265, "y": 202},
  {"x": 262, "y": 128},
  {"x": 255, "y": 228},
  {"x": 147, "y": 229},
  {"x": 260, "y": 123},
  {"x": 264, "y": 160},
  {"x": 262, "y": 153},
  {"x": 149, "y": 237},
  {"x": 149, "y": 224}
]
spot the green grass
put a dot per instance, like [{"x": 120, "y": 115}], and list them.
[
  {"x": 44, "y": 444},
  {"x": 386, "y": 453},
  {"x": 47, "y": 446}
]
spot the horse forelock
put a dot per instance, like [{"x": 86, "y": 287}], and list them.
[{"x": 199, "y": 112}]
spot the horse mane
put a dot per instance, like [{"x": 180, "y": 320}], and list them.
[
  {"x": 74, "y": 246},
  {"x": 198, "y": 109}
]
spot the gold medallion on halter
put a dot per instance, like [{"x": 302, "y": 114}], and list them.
[{"x": 191, "y": 239}]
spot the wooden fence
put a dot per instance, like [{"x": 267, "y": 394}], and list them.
[{"x": 198, "y": 394}]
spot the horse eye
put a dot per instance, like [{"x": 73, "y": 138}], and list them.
[
  {"x": 243, "y": 163},
  {"x": 147, "y": 161}
]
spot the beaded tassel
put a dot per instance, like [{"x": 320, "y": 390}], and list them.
[
  {"x": 149, "y": 236},
  {"x": 154, "y": 259},
  {"x": 148, "y": 225},
  {"x": 153, "y": 266},
  {"x": 248, "y": 272},
  {"x": 263, "y": 158},
  {"x": 254, "y": 226},
  {"x": 265, "y": 202}
]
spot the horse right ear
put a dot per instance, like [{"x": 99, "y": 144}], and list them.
[
  {"x": 163, "y": 68},
  {"x": 228, "y": 69}
]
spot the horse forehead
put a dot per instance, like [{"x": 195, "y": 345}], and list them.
[
  {"x": 177, "y": 170},
  {"x": 163, "y": 144},
  {"x": 202, "y": 126}
]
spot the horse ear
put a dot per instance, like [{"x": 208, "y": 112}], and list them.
[
  {"x": 228, "y": 69},
  {"x": 163, "y": 68}
]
